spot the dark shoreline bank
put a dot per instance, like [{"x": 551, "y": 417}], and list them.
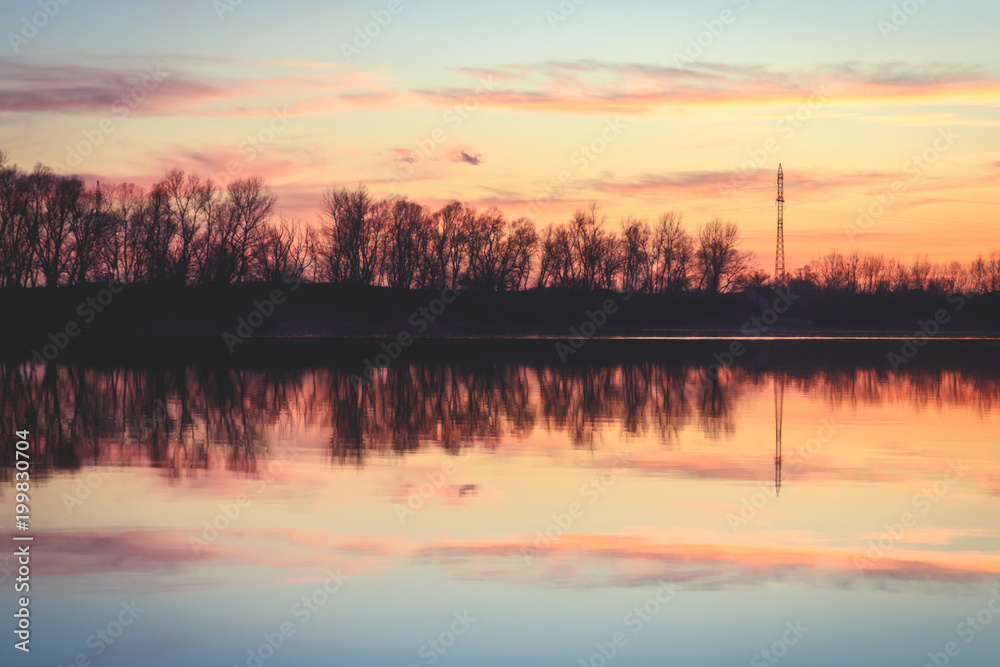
[
  {"x": 322, "y": 319},
  {"x": 977, "y": 355}
]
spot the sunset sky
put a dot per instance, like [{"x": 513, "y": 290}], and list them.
[{"x": 670, "y": 122}]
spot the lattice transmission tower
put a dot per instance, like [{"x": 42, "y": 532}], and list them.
[
  {"x": 779, "y": 420},
  {"x": 779, "y": 254}
]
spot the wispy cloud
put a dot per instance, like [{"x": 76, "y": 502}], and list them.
[
  {"x": 215, "y": 86},
  {"x": 927, "y": 119},
  {"x": 474, "y": 160},
  {"x": 602, "y": 87},
  {"x": 166, "y": 87},
  {"x": 403, "y": 155},
  {"x": 623, "y": 559}
]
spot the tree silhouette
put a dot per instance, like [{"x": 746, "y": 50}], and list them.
[{"x": 185, "y": 230}]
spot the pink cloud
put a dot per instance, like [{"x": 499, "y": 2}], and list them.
[
  {"x": 707, "y": 560},
  {"x": 603, "y": 88},
  {"x": 164, "y": 89}
]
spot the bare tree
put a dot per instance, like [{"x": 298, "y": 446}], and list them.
[
  {"x": 719, "y": 257},
  {"x": 500, "y": 251},
  {"x": 89, "y": 227},
  {"x": 251, "y": 204},
  {"x": 55, "y": 204},
  {"x": 119, "y": 253},
  {"x": 592, "y": 248},
  {"x": 920, "y": 273},
  {"x": 557, "y": 266},
  {"x": 637, "y": 256},
  {"x": 282, "y": 253},
  {"x": 156, "y": 229},
  {"x": 353, "y": 224},
  {"x": 984, "y": 274},
  {"x": 671, "y": 255},
  {"x": 447, "y": 252},
  {"x": 523, "y": 242},
  {"x": 16, "y": 235},
  {"x": 832, "y": 272},
  {"x": 406, "y": 243},
  {"x": 755, "y": 278},
  {"x": 55, "y": 230},
  {"x": 873, "y": 274},
  {"x": 191, "y": 201}
]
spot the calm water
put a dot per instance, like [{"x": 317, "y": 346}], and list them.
[{"x": 622, "y": 511}]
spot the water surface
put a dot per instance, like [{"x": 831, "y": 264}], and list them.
[{"x": 623, "y": 510}]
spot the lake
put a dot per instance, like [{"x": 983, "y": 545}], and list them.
[{"x": 481, "y": 504}]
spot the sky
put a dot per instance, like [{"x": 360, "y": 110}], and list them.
[{"x": 884, "y": 115}]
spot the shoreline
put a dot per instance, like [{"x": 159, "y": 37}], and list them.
[
  {"x": 781, "y": 348},
  {"x": 240, "y": 319}
]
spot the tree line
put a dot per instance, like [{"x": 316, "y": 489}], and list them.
[
  {"x": 186, "y": 230},
  {"x": 55, "y": 230},
  {"x": 870, "y": 273}
]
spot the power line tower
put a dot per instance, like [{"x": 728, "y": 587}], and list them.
[
  {"x": 779, "y": 419},
  {"x": 779, "y": 255}
]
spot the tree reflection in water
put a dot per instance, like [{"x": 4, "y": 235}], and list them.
[{"x": 183, "y": 418}]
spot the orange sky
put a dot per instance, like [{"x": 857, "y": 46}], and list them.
[{"x": 542, "y": 119}]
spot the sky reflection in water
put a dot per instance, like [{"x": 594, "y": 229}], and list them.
[{"x": 522, "y": 510}]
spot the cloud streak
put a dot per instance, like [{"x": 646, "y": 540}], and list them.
[
  {"x": 600, "y": 87},
  {"x": 474, "y": 160},
  {"x": 622, "y": 559},
  {"x": 584, "y": 87},
  {"x": 169, "y": 90}
]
